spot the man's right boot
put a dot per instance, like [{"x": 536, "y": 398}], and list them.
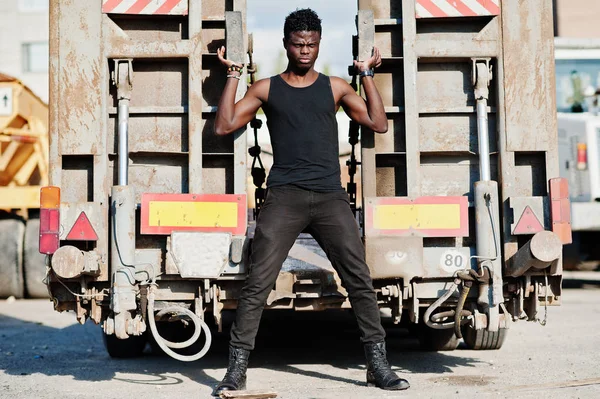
[{"x": 235, "y": 378}]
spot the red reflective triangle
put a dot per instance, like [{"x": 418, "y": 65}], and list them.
[
  {"x": 82, "y": 230},
  {"x": 528, "y": 223}
]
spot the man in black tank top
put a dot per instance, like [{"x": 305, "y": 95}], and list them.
[{"x": 304, "y": 188}]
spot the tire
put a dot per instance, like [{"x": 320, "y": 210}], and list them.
[
  {"x": 34, "y": 263},
  {"x": 483, "y": 339},
  {"x": 433, "y": 340},
  {"x": 12, "y": 232},
  {"x": 124, "y": 348}
]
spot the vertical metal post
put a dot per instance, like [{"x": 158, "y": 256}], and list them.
[
  {"x": 124, "y": 289},
  {"x": 482, "y": 77},
  {"x": 123, "y": 79},
  {"x": 366, "y": 41},
  {"x": 487, "y": 213},
  {"x": 123, "y": 259},
  {"x": 123, "y": 141}
]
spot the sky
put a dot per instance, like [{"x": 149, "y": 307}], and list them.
[{"x": 265, "y": 21}]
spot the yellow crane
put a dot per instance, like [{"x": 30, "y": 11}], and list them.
[{"x": 23, "y": 170}]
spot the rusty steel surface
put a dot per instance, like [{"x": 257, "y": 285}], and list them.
[
  {"x": 176, "y": 78},
  {"x": 430, "y": 91}
]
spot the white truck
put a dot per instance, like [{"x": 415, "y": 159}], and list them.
[{"x": 578, "y": 90}]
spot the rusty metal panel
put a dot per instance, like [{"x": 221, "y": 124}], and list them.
[
  {"x": 394, "y": 141},
  {"x": 390, "y": 83},
  {"x": 451, "y": 175},
  {"x": 382, "y": 9},
  {"x": 152, "y": 133},
  {"x": 453, "y": 133},
  {"x": 79, "y": 68},
  {"x": 528, "y": 37},
  {"x": 394, "y": 257},
  {"x": 410, "y": 57},
  {"x": 445, "y": 85},
  {"x": 158, "y": 83}
]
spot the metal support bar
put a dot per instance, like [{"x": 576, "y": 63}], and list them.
[
  {"x": 123, "y": 258},
  {"x": 123, "y": 79},
  {"x": 487, "y": 233},
  {"x": 482, "y": 75}
]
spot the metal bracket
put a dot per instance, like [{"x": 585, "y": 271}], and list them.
[
  {"x": 414, "y": 314},
  {"x": 122, "y": 77},
  {"x": 199, "y": 305},
  {"x": 481, "y": 76},
  {"x": 217, "y": 308}
]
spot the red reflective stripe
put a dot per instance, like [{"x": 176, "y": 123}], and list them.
[
  {"x": 110, "y": 5},
  {"x": 462, "y": 8},
  {"x": 138, "y": 7},
  {"x": 167, "y": 7},
  {"x": 490, "y": 6},
  {"x": 432, "y": 8}
]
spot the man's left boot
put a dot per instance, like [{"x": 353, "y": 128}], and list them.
[{"x": 379, "y": 372}]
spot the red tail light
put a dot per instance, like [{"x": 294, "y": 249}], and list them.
[
  {"x": 581, "y": 156},
  {"x": 49, "y": 219}
]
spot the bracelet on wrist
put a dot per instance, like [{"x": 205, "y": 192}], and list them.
[
  {"x": 234, "y": 77},
  {"x": 234, "y": 68},
  {"x": 368, "y": 72}
]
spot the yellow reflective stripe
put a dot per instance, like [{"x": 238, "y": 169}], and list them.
[
  {"x": 193, "y": 214},
  {"x": 417, "y": 216}
]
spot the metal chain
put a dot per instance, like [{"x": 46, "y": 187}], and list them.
[{"x": 543, "y": 322}]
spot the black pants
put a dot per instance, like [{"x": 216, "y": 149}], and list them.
[{"x": 287, "y": 211}]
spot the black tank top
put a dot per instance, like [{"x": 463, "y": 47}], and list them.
[{"x": 304, "y": 135}]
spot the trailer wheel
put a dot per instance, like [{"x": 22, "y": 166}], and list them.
[
  {"x": 12, "y": 231},
  {"x": 483, "y": 339},
  {"x": 34, "y": 263},
  {"x": 437, "y": 340},
  {"x": 124, "y": 348}
]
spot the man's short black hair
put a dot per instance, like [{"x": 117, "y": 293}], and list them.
[{"x": 301, "y": 20}]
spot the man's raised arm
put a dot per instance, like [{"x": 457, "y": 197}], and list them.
[
  {"x": 369, "y": 113},
  {"x": 231, "y": 116}
]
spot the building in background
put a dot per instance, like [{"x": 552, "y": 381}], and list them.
[
  {"x": 24, "y": 43},
  {"x": 577, "y": 18}
]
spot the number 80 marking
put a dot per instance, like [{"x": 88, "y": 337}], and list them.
[{"x": 452, "y": 260}]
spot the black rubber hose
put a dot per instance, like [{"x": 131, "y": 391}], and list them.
[{"x": 459, "y": 308}]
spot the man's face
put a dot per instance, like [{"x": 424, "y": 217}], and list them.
[{"x": 303, "y": 48}]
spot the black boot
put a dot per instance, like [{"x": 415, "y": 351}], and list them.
[
  {"x": 235, "y": 378},
  {"x": 379, "y": 372}
]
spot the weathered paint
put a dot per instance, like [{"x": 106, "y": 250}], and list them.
[
  {"x": 165, "y": 213},
  {"x": 424, "y": 216}
]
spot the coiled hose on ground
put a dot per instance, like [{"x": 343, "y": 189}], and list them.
[{"x": 165, "y": 345}]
